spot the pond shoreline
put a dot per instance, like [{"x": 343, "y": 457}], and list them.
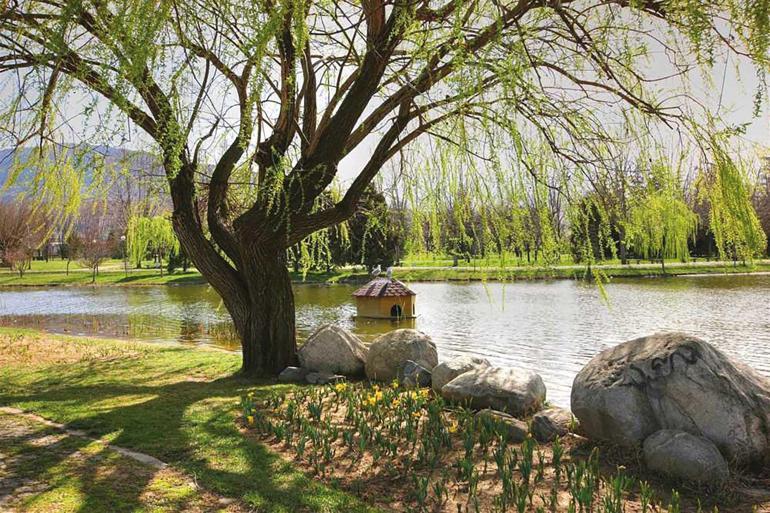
[
  {"x": 186, "y": 408},
  {"x": 138, "y": 278},
  {"x": 553, "y": 327}
]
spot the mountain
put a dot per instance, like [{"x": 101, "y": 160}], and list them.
[{"x": 123, "y": 167}]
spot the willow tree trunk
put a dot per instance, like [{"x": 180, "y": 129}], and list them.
[
  {"x": 266, "y": 323},
  {"x": 622, "y": 244},
  {"x": 256, "y": 292}
]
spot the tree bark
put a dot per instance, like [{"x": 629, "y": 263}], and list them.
[
  {"x": 266, "y": 323},
  {"x": 257, "y": 293},
  {"x": 622, "y": 244},
  {"x": 260, "y": 301}
]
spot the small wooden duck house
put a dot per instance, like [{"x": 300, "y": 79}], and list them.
[{"x": 385, "y": 298}]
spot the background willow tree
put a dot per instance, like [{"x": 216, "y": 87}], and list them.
[
  {"x": 737, "y": 230},
  {"x": 254, "y": 107},
  {"x": 150, "y": 236},
  {"x": 661, "y": 224}
]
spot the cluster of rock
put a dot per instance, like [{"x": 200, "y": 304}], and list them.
[
  {"x": 691, "y": 409},
  {"x": 501, "y": 393}
]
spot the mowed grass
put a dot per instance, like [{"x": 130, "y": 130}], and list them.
[
  {"x": 139, "y": 277},
  {"x": 47, "y": 470},
  {"x": 135, "y": 277},
  {"x": 176, "y": 404}
]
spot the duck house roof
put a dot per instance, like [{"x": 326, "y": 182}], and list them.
[{"x": 383, "y": 287}]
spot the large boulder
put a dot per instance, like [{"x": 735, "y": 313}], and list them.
[
  {"x": 680, "y": 455},
  {"x": 445, "y": 372},
  {"x": 389, "y": 353},
  {"x": 674, "y": 381},
  {"x": 514, "y": 391},
  {"x": 551, "y": 423},
  {"x": 335, "y": 350}
]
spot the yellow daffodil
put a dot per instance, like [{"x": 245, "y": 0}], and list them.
[
  {"x": 250, "y": 419},
  {"x": 374, "y": 398},
  {"x": 340, "y": 387},
  {"x": 452, "y": 428},
  {"x": 394, "y": 383}
]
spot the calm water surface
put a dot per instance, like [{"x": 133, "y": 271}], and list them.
[{"x": 552, "y": 327}]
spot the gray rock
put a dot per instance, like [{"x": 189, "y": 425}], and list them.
[
  {"x": 514, "y": 430},
  {"x": 324, "y": 378},
  {"x": 293, "y": 375},
  {"x": 333, "y": 349},
  {"x": 681, "y": 455},
  {"x": 445, "y": 372},
  {"x": 674, "y": 381},
  {"x": 551, "y": 423},
  {"x": 389, "y": 353},
  {"x": 415, "y": 375},
  {"x": 514, "y": 391}
]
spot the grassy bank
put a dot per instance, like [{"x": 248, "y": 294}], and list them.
[
  {"x": 138, "y": 277},
  {"x": 178, "y": 405},
  {"x": 184, "y": 407}
]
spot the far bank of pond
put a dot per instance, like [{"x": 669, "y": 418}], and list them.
[
  {"x": 114, "y": 275},
  {"x": 554, "y": 327}
]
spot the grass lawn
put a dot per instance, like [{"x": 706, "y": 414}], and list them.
[
  {"x": 116, "y": 276},
  {"x": 176, "y": 404},
  {"x": 44, "y": 469},
  {"x": 135, "y": 277}
]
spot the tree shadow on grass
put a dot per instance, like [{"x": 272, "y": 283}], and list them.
[{"x": 185, "y": 422}]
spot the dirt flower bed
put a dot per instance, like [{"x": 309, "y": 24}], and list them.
[{"x": 407, "y": 450}]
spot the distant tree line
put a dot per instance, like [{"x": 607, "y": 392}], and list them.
[{"x": 634, "y": 213}]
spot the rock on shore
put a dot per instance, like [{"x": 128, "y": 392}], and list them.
[
  {"x": 389, "y": 353},
  {"x": 333, "y": 349},
  {"x": 446, "y": 371},
  {"x": 680, "y": 455},
  {"x": 674, "y": 381},
  {"x": 515, "y": 391}
]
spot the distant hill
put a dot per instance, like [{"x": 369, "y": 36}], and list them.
[{"x": 138, "y": 165}]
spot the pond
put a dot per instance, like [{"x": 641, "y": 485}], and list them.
[{"x": 552, "y": 327}]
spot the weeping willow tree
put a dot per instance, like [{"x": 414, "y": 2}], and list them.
[
  {"x": 150, "y": 235},
  {"x": 254, "y": 108},
  {"x": 661, "y": 223},
  {"x": 737, "y": 231},
  {"x": 498, "y": 210}
]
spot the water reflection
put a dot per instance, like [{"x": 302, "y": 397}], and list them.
[{"x": 553, "y": 327}]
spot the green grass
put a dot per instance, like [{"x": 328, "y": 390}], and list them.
[
  {"x": 59, "y": 265},
  {"x": 70, "y": 474},
  {"x": 576, "y": 272},
  {"x": 137, "y": 277},
  {"x": 56, "y": 264},
  {"x": 462, "y": 272},
  {"x": 176, "y": 404}
]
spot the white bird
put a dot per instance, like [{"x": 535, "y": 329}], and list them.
[
  {"x": 390, "y": 273},
  {"x": 376, "y": 271}
]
